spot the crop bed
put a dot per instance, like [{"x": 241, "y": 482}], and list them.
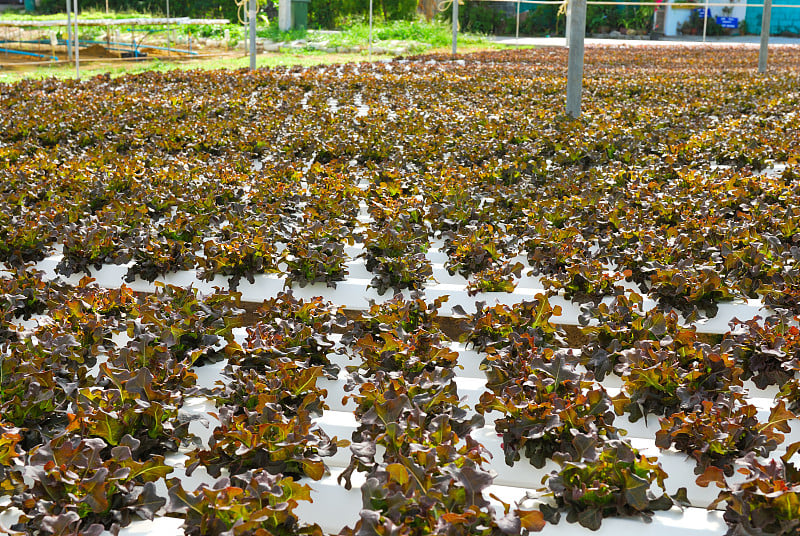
[{"x": 225, "y": 295}]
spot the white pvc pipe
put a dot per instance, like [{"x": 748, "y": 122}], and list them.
[
  {"x": 455, "y": 27},
  {"x": 77, "y": 43},
  {"x": 370, "y": 30},
  {"x": 69, "y": 30},
  {"x": 705, "y": 19},
  {"x": 252, "y": 35},
  {"x": 169, "y": 33}
]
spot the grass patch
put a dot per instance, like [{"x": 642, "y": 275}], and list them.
[
  {"x": 356, "y": 31},
  {"x": 434, "y": 33}
]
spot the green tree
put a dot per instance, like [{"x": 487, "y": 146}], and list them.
[
  {"x": 325, "y": 14},
  {"x": 179, "y": 8}
]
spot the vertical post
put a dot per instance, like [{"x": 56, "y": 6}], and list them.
[
  {"x": 370, "y": 30},
  {"x": 285, "y": 15},
  {"x": 455, "y": 27},
  {"x": 69, "y": 30},
  {"x": 252, "y": 18},
  {"x": 518, "y": 1},
  {"x": 765, "y": 23},
  {"x": 568, "y": 29},
  {"x": 246, "y": 28},
  {"x": 77, "y": 42},
  {"x": 108, "y": 28},
  {"x": 169, "y": 33},
  {"x": 705, "y": 19},
  {"x": 577, "y": 29},
  {"x": 656, "y": 28}
]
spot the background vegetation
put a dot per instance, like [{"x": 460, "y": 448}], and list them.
[
  {"x": 474, "y": 16},
  {"x": 179, "y": 8},
  {"x": 483, "y": 17}
]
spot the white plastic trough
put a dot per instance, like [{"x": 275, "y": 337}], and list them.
[{"x": 355, "y": 293}]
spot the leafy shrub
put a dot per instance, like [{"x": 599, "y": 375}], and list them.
[
  {"x": 765, "y": 501},
  {"x": 23, "y": 293},
  {"x": 265, "y": 438},
  {"x": 543, "y": 19},
  {"x": 78, "y": 485},
  {"x": 267, "y": 344},
  {"x": 614, "y": 329},
  {"x": 10, "y": 459},
  {"x": 767, "y": 351},
  {"x": 401, "y": 415},
  {"x": 659, "y": 381},
  {"x": 722, "y": 431},
  {"x": 497, "y": 279},
  {"x": 615, "y": 480},
  {"x": 288, "y": 385},
  {"x": 477, "y": 17},
  {"x": 398, "y": 317},
  {"x": 494, "y": 328},
  {"x": 395, "y": 253},
  {"x": 255, "y": 502},
  {"x": 189, "y": 326},
  {"x": 132, "y": 406},
  {"x": 544, "y": 403},
  {"x": 427, "y": 498},
  {"x": 316, "y": 255}
]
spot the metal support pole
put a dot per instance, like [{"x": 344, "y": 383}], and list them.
[
  {"x": 765, "y": 23},
  {"x": 568, "y": 28},
  {"x": 77, "y": 42},
  {"x": 455, "y": 27},
  {"x": 69, "y": 30},
  {"x": 169, "y": 34},
  {"x": 370, "y": 30},
  {"x": 252, "y": 17},
  {"x": 518, "y": 1},
  {"x": 108, "y": 28},
  {"x": 577, "y": 31},
  {"x": 705, "y": 19}
]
